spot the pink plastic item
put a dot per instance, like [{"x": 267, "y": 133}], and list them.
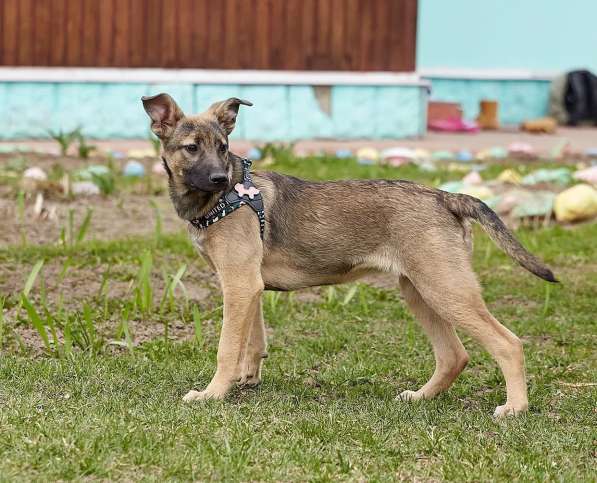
[{"x": 453, "y": 125}]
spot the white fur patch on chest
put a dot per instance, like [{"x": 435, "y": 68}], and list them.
[{"x": 198, "y": 238}]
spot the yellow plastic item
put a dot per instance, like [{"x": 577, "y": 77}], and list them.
[
  {"x": 481, "y": 192},
  {"x": 509, "y": 176},
  {"x": 576, "y": 203}
]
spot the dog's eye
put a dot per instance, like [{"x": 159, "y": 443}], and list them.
[
  {"x": 191, "y": 148},
  {"x": 223, "y": 148}
]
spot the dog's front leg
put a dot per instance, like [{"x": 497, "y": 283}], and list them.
[
  {"x": 242, "y": 289},
  {"x": 255, "y": 352}
]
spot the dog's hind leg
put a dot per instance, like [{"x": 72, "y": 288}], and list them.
[
  {"x": 255, "y": 352},
  {"x": 453, "y": 292},
  {"x": 450, "y": 354}
]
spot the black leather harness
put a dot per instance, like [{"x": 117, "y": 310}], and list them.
[{"x": 245, "y": 193}]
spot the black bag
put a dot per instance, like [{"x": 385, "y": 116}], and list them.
[{"x": 581, "y": 97}]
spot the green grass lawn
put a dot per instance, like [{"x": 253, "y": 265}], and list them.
[{"x": 110, "y": 409}]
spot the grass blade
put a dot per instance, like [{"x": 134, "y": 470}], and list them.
[
  {"x": 84, "y": 226},
  {"x": 198, "y": 326},
  {"x": 36, "y": 321},
  {"x": 31, "y": 278}
]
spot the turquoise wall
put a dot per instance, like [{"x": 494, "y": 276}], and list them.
[
  {"x": 518, "y": 100},
  {"x": 554, "y": 35},
  {"x": 106, "y": 110}
]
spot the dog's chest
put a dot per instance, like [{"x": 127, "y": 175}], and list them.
[{"x": 198, "y": 239}]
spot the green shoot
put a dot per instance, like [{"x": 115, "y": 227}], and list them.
[
  {"x": 198, "y": 327},
  {"x": 158, "y": 220},
  {"x": 32, "y": 277},
  {"x": 105, "y": 182},
  {"x": 2, "y": 323},
  {"x": 36, "y": 321},
  {"x": 84, "y": 149},
  {"x": 64, "y": 139},
  {"x": 144, "y": 294},
  {"x": 82, "y": 231},
  {"x": 350, "y": 294}
]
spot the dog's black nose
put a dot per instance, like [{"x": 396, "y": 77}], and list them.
[{"x": 218, "y": 178}]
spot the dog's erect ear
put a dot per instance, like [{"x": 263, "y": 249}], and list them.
[
  {"x": 164, "y": 114},
  {"x": 226, "y": 111}
]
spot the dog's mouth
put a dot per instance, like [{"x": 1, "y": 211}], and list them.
[{"x": 194, "y": 187}]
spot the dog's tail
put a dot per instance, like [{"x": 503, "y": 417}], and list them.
[{"x": 469, "y": 207}]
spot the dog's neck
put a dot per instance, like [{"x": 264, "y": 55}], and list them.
[{"x": 196, "y": 204}]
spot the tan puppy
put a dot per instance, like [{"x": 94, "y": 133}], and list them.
[{"x": 334, "y": 232}]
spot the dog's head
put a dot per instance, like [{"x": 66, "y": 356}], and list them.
[{"x": 195, "y": 148}]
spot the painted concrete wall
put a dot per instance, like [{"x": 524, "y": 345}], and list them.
[
  {"x": 111, "y": 110},
  {"x": 542, "y": 35},
  {"x": 518, "y": 99}
]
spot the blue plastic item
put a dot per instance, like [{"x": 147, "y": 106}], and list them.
[{"x": 134, "y": 169}]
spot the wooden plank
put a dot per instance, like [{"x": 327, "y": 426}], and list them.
[
  {"x": 352, "y": 37},
  {"x": 121, "y": 46},
  {"x": 25, "y": 39},
  {"x": 106, "y": 33},
  {"x": 74, "y": 28},
  {"x": 42, "y": 33},
  {"x": 278, "y": 39},
  {"x": 169, "y": 34},
  {"x": 294, "y": 47},
  {"x": 154, "y": 26},
  {"x": 9, "y": 24},
  {"x": 338, "y": 17},
  {"x": 137, "y": 36},
  {"x": 186, "y": 20},
  {"x": 309, "y": 34},
  {"x": 90, "y": 33}
]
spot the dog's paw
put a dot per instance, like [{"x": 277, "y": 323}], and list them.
[
  {"x": 410, "y": 396},
  {"x": 202, "y": 395},
  {"x": 251, "y": 371},
  {"x": 249, "y": 380},
  {"x": 508, "y": 410}
]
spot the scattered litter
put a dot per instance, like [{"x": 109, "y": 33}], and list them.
[
  {"x": 398, "y": 156},
  {"x": 576, "y": 203},
  {"x": 559, "y": 176},
  {"x": 481, "y": 192},
  {"x": 85, "y": 188},
  {"x": 35, "y": 173},
  {"x": 560, "y": 149},
  {"x": 509, "y": 176},
  {"x": 473, "y": 179},
  {"x": 453, "y": 124},
  {"x": 134, "y": 168},
  {"x": 545, "y": 125},
  {"x": 343, "y": 153},
  {"x": 158, "y": 168},
  {"x": 452, "y": 186},
  {"x": 41, "y": 211},
  {"x": 537, "y": 203},
  {"x": 521, "y": 150},
  {"x": 117, "y": 154},
  {"x": 422, "y": 154},
  {"x": 495, "y": 152},
  {"x": 141, "y": 153},
  {"x": 254, "y": 154},
  {"x": 442, "y": 155},
  {"x": 464, "y": 155},
  {"x": 588, "y": 175},
  {"x": 95, "y": 169},
  {"x": 367, "y": 156}
]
